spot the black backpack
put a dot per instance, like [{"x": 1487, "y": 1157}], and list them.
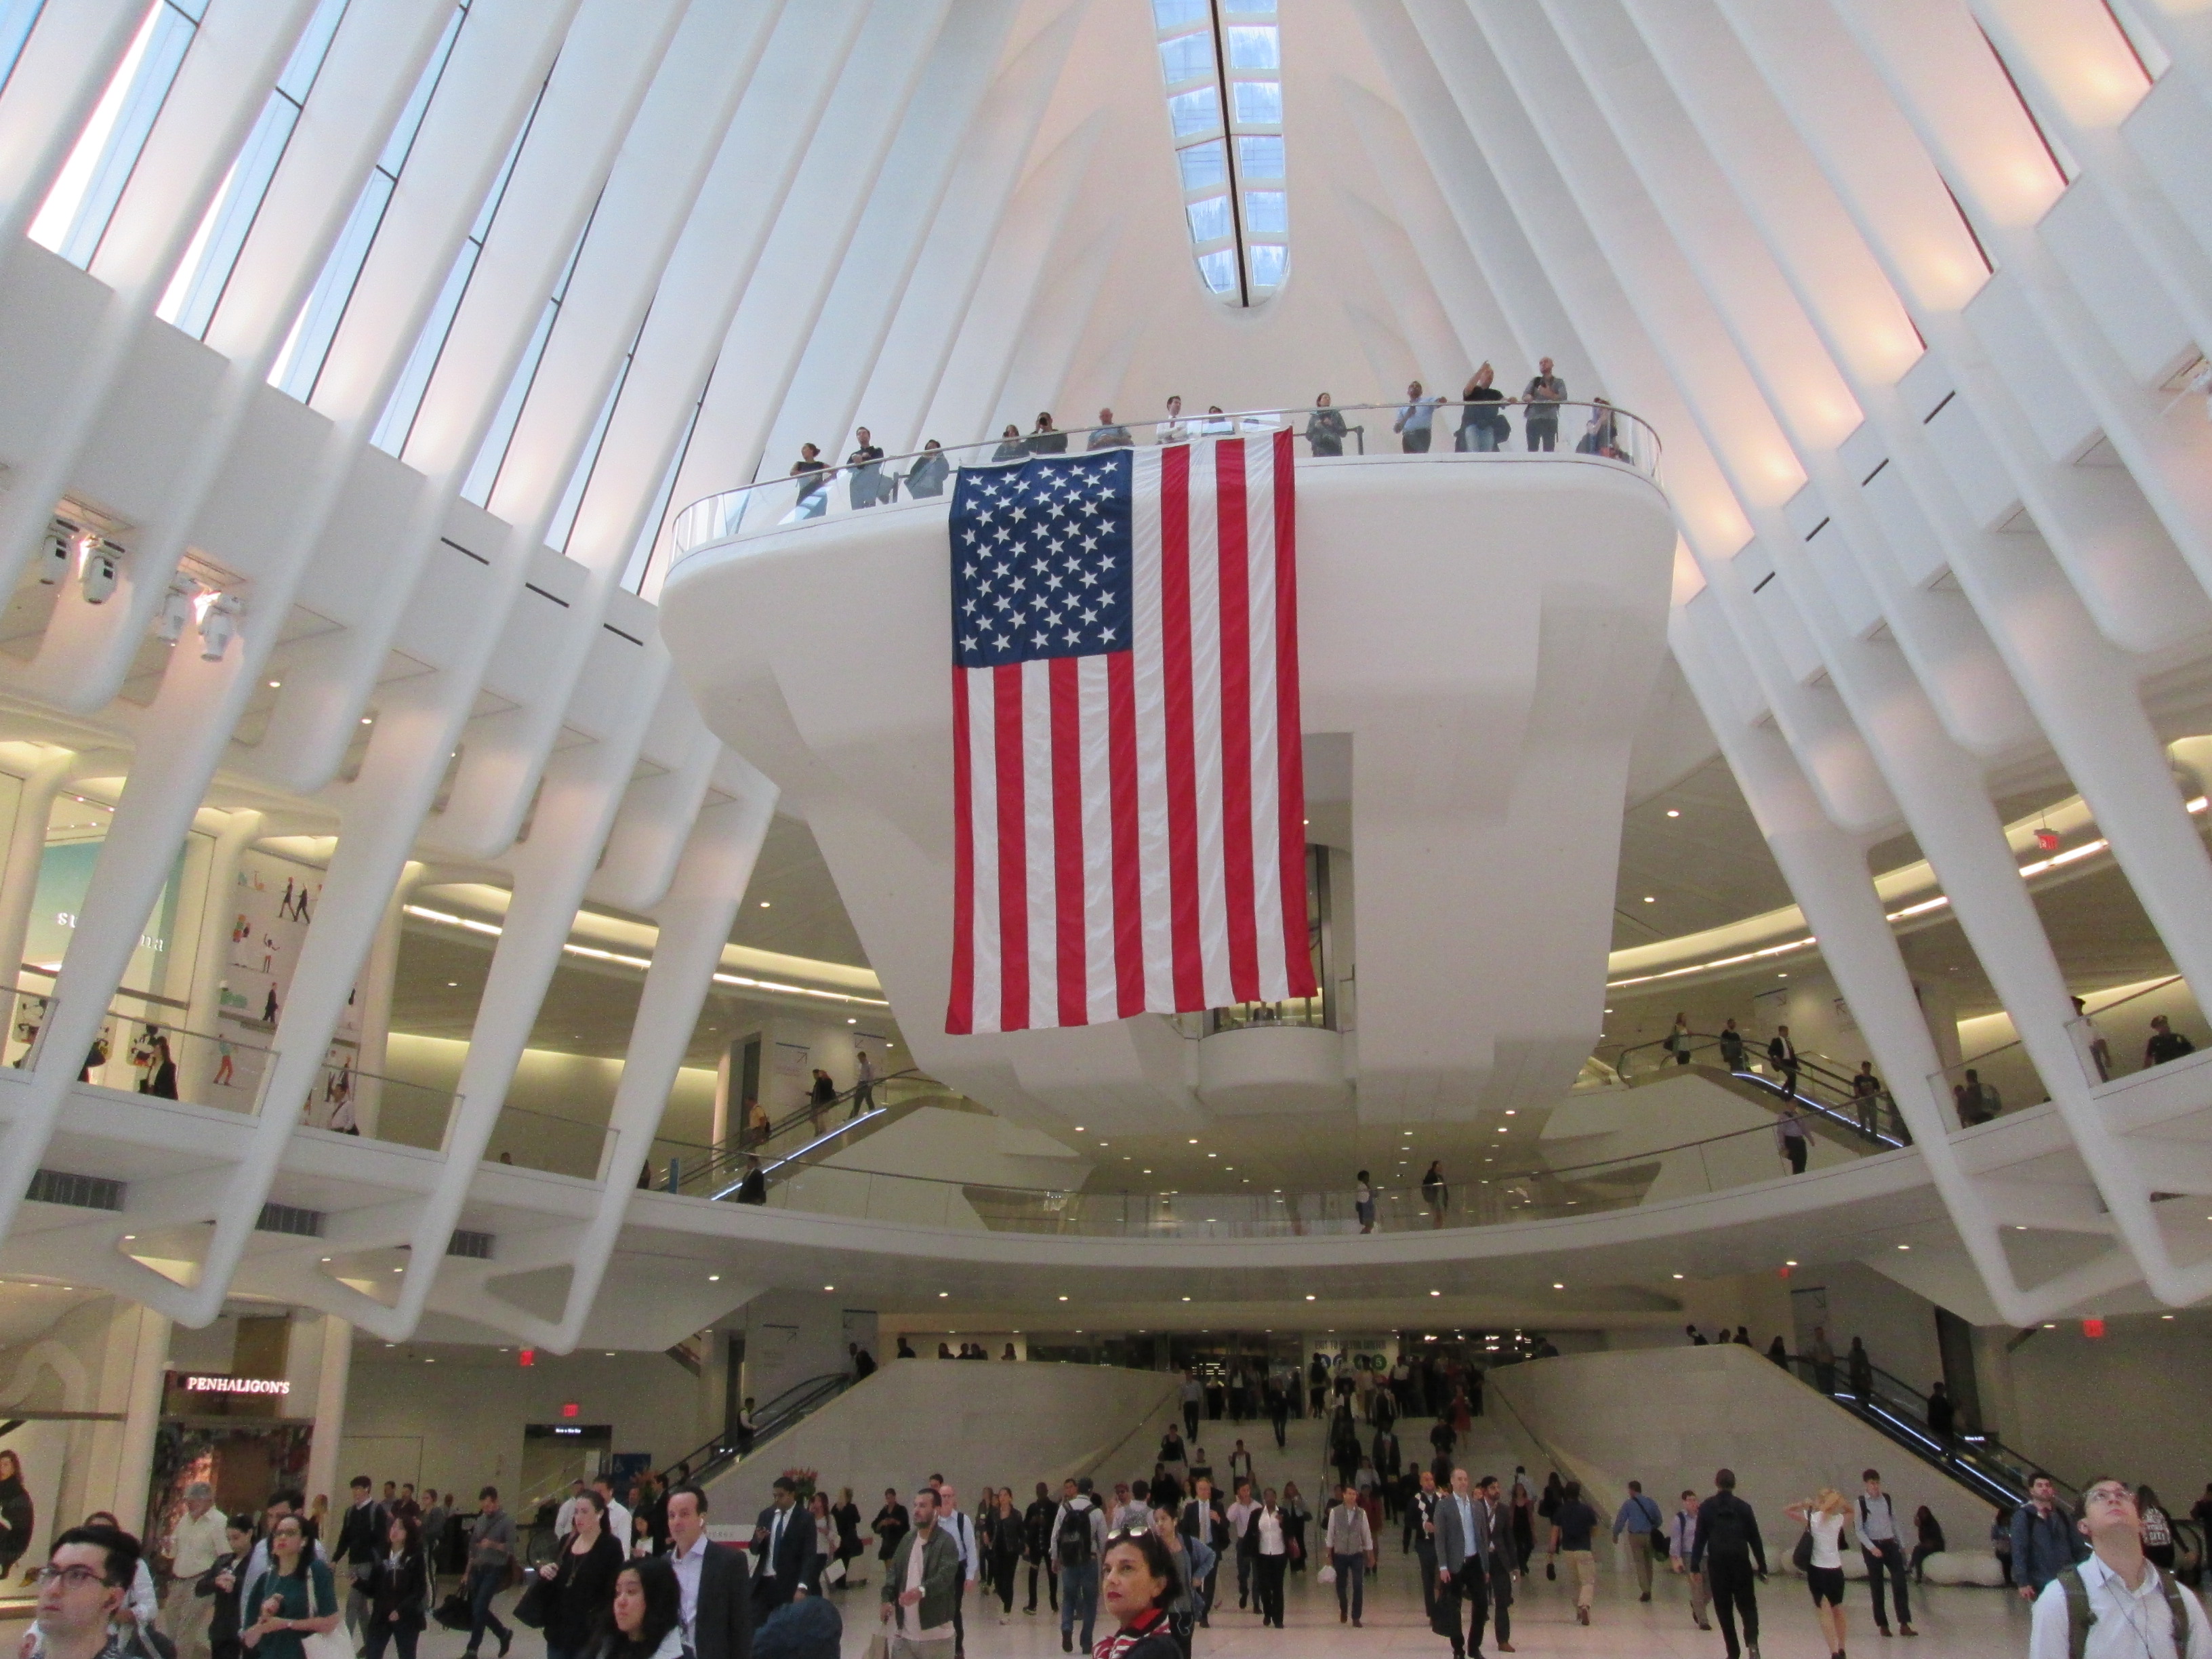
[{"x": 1071, "y": 1547}]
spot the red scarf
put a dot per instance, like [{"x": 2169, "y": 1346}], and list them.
[{"x": 1114, "y": 1646}]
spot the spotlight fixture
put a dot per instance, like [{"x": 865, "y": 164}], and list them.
[
  {"x": 54, "y": 562},
  {"x": 176, "y": 610},
  {"x": 218, "y": 617},
  {"x": 97, "y": 565}
]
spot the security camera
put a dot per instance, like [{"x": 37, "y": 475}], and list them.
[{"x": 97, "y": 563}]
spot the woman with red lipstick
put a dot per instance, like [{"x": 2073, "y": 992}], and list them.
[{"x": 1137, "y": 1581}]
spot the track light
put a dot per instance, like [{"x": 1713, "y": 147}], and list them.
[
  {"x": 176, "y": 610},
  {"x": 54, "y": 562},
  {"x": 97, "y": 563},
  {"x": 218, "y": 614}
]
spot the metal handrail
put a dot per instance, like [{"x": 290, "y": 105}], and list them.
[
  {"x": 709, "y": 1460},
  {"x": 1901, "y": 1412},
  {"x": 1842, "y": 1112},
  {"x": 1611, "y": 432}
]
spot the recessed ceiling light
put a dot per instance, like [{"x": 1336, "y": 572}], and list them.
[
  {"x": 764, "y": 904},
  {"x": 453, "y": 985},
  {"x": 1079, "y": 1128},
  {"x": 365, "y": 720},
  {"x": 712, "y": 1278},
  {"x": 610, "y": 1353},
  {"x": 1678, "y": 1275},
  {"x": 1309, "y": 1298},
  {"x": 273, "y": 684},
  {"x": 1509, "y": 1111},
  {"x": 1194, "y": 1140},
  {"x": 829, "y": 1287},
  {"x": 852, "y": 1022},
  {"x": 2165, "y": 1315},
  {"x": 1436, "y": 1292},
  {"x": 129, "y": 1238},
  {"x": 941, "y": 1295},
  {"x": 1904, "y": 1247},
  {"x": 2051, "y": 1328},
  {"x": 1650, "y": 898},
  {"x": 1672, "y": 813},
  {"x": 1789, "y": 1264},
  {"x": 1064, "y": 1298},
  {"x": 1558, "y": 1287}
]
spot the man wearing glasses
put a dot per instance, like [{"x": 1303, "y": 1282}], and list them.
[
  {"x": 2116, "y": 1603},
  {"x": 81, "y": 1593}
]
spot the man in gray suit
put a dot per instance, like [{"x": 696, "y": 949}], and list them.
[{"x": 1463, "y": 1544}]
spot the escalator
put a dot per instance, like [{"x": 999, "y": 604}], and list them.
[
  {"x": 1977, "y": 1461},
  {"x": 794, "y": 1142},
  {"x": 1824, "y": 1092},
  {"x": 718, "y": 1456}
]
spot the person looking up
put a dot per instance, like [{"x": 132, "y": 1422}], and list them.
[{"x": 2116, "y": 1602}]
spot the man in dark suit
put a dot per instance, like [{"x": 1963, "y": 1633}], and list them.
[
  {"x": 1204, "y": 1519},
  {"x": 717, "y": 1599},
  {"x": 1462, "y": 1527},
  {"x": 360, "y": 1540},
  {"x": 1505, "y": 1560},
  {"x": 783, "y": 1545}
]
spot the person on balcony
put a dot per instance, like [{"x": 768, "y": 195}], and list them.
[
  {"x": 865, "y": 484},
  {"x": 1791, "y": 1139},
  {"x": 1482, "y": 423},
  {"x": 1010, "y": 446},
  {"x": 1545, "y": 393},
  {"x": 1678, "y": 1039},
  {"x": 1325, "y": 428},
  {"x": 1866, "y": 1094},
  {"x": 1173, "y": 430},
  {"x": 1416, "y": 422},
  {"x": 927, "y": 474},
  {"x": 1046, "y": 438},
  {"x": 2166, "y": 1043},
  {"x": 1110, "y": 433},
  {"x": 810, "y": 469},
  {"x": 1731, "y": 1047}
]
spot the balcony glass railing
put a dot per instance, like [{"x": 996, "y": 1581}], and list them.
[
  {"x": 1469, "y": 432},
  {"x": 1691, "y": 1168}
]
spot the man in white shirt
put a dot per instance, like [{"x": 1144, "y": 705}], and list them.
[
  {"x": 618, "y": 1516},
  {"x": 1240, "y": 1512},
  {"x": 192, "y": 1549},
  {"x": 564, "y": 1522},
  {"x": 2132, "y": 1608}
]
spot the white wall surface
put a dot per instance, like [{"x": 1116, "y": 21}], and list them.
[
  {"x": 1671, "y": 1419},
  {"x": 2130, "y": 1403},
  {"x": 467, "y": 1410},
  {"x": 977, "y": 1424}
]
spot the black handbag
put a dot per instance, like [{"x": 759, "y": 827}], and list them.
[
  {"x": 454, "y": 1612},
  {"x": 1801, "y": 1556},
  {"x": 534, "y": 1606}
]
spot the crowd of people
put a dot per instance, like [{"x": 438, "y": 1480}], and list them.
[
  {"x": 1158, "y": 1557},
  {"x": 1484, "y": 426}
]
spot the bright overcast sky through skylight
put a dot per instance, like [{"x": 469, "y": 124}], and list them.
[{"x": 1234, "y": 202}]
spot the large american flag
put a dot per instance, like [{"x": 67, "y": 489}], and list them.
[{"x": 1129, "y": 786}]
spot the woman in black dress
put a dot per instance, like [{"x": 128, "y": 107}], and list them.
[
  {"x": 18, "y": 1516},
  {"x": 850, "y": 1548},
  {"x": 580, "y": 1585},
  {"x": 890, "y": 1525}
]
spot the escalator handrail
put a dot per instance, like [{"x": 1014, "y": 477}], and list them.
[
  {"x": 1894, "y": 1391},
  {"x": 709, "y": 1460},
  {"x": 731, "y": 1157}
]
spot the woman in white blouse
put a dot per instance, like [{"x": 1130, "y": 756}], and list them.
[
  {"x": 1824, "y": 1519},
  {"x": 1275, "y": 1558}
]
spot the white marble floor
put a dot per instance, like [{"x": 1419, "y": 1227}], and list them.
[{"x": 1953, "y": 1623}]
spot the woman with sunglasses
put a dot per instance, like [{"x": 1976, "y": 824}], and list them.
[{"x": 1137, "y": 1581}]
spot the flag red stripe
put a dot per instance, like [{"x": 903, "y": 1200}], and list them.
[
  {"x": 960, "y": 1007},
  {"x": 1013, "y": 852},
  {"x": 1234, "y": 576},
  {"x": 1189, "y": 967},
  {"x": 1067, "y": 842},
  {"x": 1128, "y": 886},
  {"x": 1290, "y": 741}
]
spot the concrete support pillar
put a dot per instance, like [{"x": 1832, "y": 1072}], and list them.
[
  {"x": 120, "y": 1465},
  {"x": 195, "y": 1061},
  {"x": 27, "y": 845},
  {"x": 377, "y": 980},
  {"x": 1993, "y": 1379},
  {"x": 333, "y": 1372}
]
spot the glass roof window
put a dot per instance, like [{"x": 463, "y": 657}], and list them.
[{"x": 1221, "y": 62}]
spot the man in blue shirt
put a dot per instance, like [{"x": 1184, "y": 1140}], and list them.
[
  {"x": 1639, "y": 1518},
  {"x": 1416, "y": 421}
]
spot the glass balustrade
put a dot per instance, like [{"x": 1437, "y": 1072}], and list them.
[{"x": 1492, "y": 432}]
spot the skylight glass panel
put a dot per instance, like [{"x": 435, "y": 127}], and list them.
[
  {"x": 1217, "y": 57},
  {"x": 1259, "y": 158},
  {"x": 17, "y": 18},
  {"x": 1205, "y": 167},
  {"x": 75, "y": 216},
  {"x": 1195, "y": 113}
]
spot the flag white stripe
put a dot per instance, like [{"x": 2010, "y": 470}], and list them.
[
  {"x": 1150, "y": 697},
  {"x": 1043, "y": 861},
  {"x": 1206, "y": 722},
  {"x": 1100, "y": 996},
  {"x": 983, "y": 815},
  {"x": 1266, "y": 823}
]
